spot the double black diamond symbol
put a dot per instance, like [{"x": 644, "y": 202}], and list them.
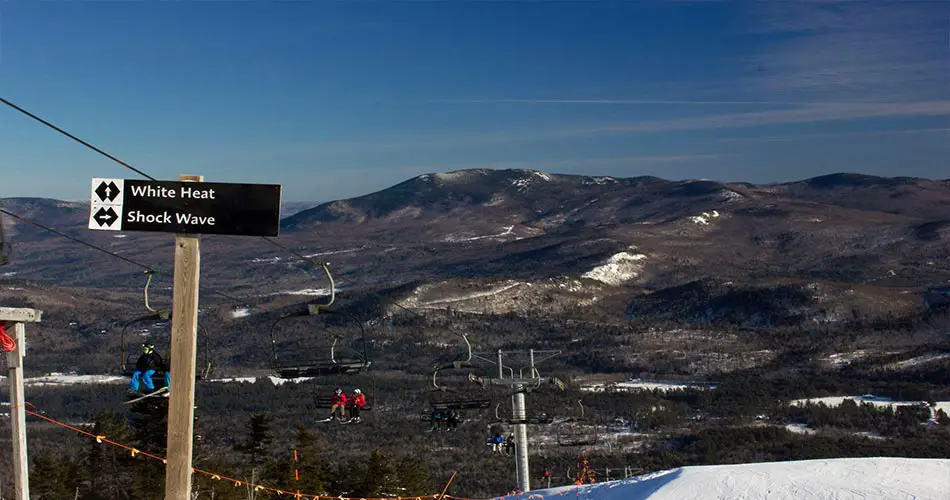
[
  {"x": 107, "y": 191},
  {"x": 106, "y": 216}
]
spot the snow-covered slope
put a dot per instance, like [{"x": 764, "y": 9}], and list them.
[{"x": 845, "y": 478}]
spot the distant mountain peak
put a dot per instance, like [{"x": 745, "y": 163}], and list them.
[{"x": 851, "y": 179}]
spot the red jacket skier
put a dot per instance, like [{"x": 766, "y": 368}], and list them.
[
  {"x": 339, "y": 401},
  {"x": 359, "y": 402}
]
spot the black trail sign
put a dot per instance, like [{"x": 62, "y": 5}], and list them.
[{"x": 185, "y": 207}]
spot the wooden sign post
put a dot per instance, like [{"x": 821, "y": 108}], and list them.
[
  {"x": 18, "y": 318},
  {"x": 181, "y": 399}
]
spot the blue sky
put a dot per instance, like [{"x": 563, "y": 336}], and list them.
[{"x": 339, "y": 99}]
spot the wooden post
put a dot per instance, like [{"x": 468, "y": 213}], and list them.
[
  {"x": 21, "y": 464},
  {"x": 181, "y": 406}
]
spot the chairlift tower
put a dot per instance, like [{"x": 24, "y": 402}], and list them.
[{"x": 520, "y": 385}]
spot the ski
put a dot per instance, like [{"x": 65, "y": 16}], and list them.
[{"x": 163, "y": 389}]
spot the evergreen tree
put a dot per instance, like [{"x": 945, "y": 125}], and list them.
[
  {"x": 261, "y": 466},
  {"x": 413, "y": 477},
  {"x": 54, "y": 479},
  {"x": 314, "y": 470},
  {"x": 109, "y": 468},
  {"x": 373, "y": 477},
  {"x": 257, "y": 447}
]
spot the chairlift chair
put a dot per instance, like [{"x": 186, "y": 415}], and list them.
[
  {"x": 444, "y": 397},
  {"x": 541, "y": 418},
  {"x": 128, "y": 357},
  {"x": 574, "y": 432},
  {"x": 294, "y": 355}
]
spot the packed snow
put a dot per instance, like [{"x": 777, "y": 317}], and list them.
[
  {"x": 619, "y": 269},
  {"x": 842, "y": 478}
]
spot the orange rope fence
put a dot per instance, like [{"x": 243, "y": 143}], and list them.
[
  {"x": 258, "y": 487},
  {"x": 237, "y": 482}
]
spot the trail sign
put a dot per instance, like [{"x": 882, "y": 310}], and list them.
[{"x": 185, "y": 207}]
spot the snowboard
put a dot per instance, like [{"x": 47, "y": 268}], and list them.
[{"x": 159, "y": 391}]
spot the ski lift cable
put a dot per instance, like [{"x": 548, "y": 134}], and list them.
[
  {"x": 148, "y": 269},
  {"x": 117, "y": 160}
]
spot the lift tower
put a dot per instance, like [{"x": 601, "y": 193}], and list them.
[{"x": 520, "y": 385}]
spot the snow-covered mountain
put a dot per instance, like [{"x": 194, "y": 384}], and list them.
[{"x": 846, "y": 478}]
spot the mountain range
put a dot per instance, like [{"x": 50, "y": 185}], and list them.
[{"x": 824, "y": 248}]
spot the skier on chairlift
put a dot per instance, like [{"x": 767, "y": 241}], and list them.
[
  {"x": 357, "y": 404},
  {"x": 339, "y": 402},
  {"x": 146, "y": 366}
]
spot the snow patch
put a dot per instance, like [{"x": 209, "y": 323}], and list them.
[
  {"x": 475, "y": 295},
  {"x": 241, "y": 313},
  {"x": 63, "y": 379},
  {"x": 618, "y": 269},
  {"x": 11, "y": 273},
  {"x": 645, "y": 385},
  {"x": 121, "y": 236},
  {"x": 599, "y": 181},
  {"x": 251, "y": 380},
  {"x": 728, "y": 196},
  {"x": 542, "y": 175},
  {"x": 457, "y": 239},
  {"x": 334, "y": 252},
  {"x": 521, "y": 184},
  {"x": 800, "y": 429},
  {"x": 877, "y": 401},
  {"x": 919, "y": 360},
  {"x": 495, "y": 201},
  {"x": 315, "y": 292},
  {"x": 845, "y": 358},
  {"x": 705, "y": 217}
]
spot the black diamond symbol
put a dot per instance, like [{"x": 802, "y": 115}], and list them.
[
  {"x": 106, "y": 216},
  {"x": 107, "y": 191}
]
